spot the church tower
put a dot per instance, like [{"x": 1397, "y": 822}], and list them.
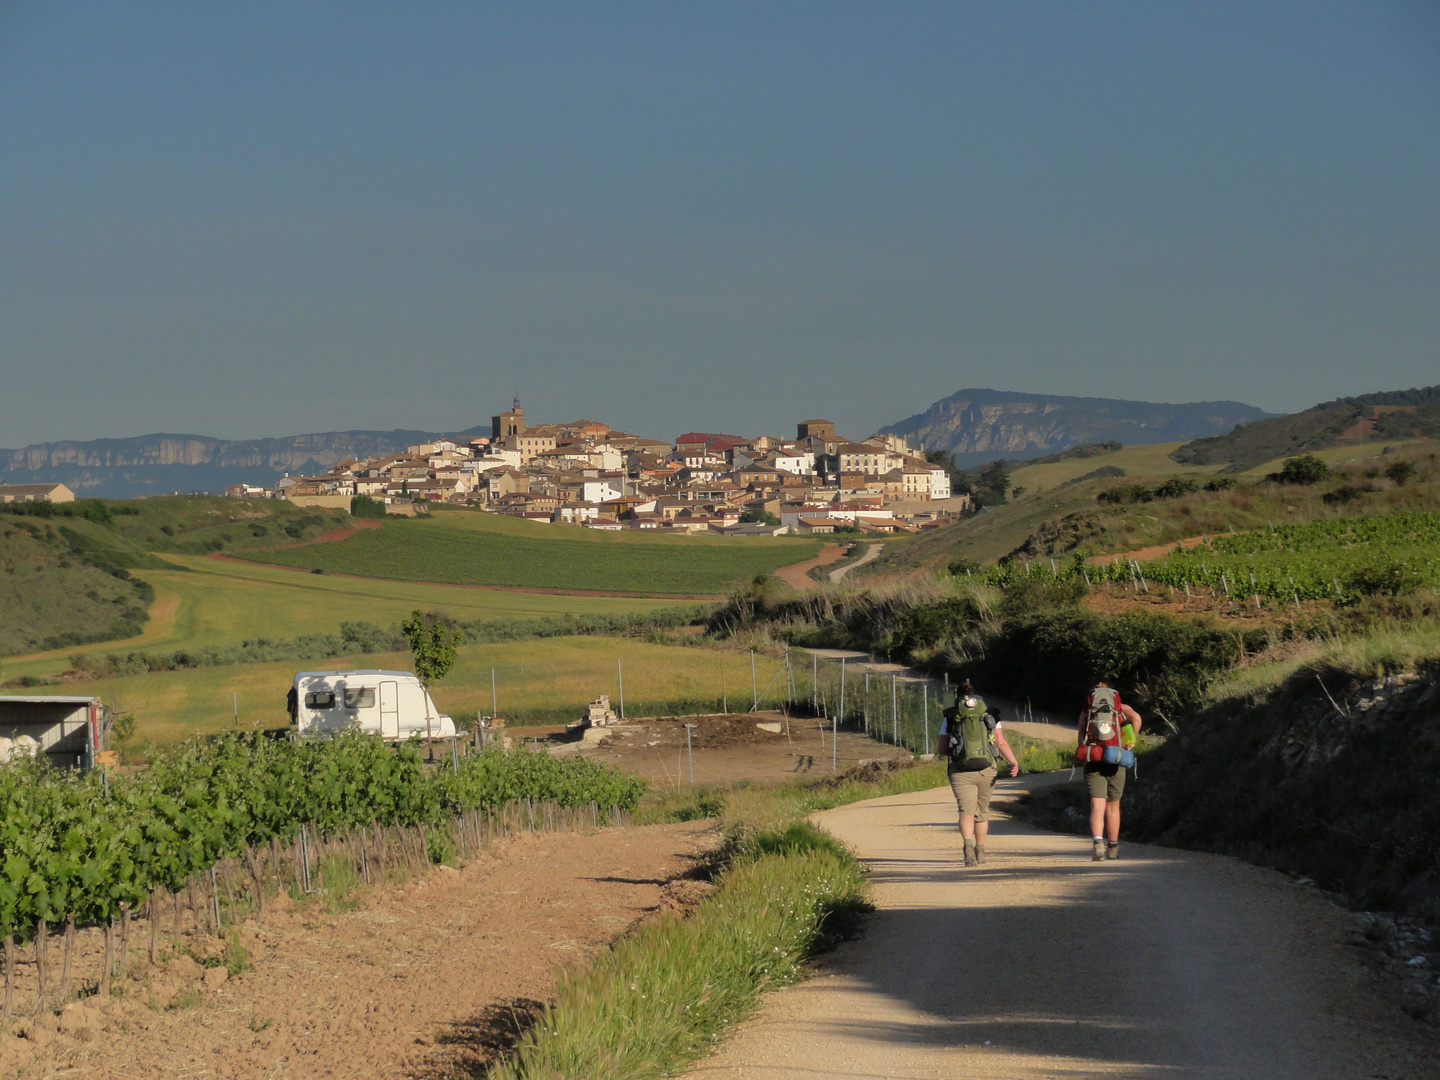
[{"x": 506, "y": 424}]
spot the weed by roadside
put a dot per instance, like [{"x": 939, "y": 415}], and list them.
[{"x": 667, "y": 993}]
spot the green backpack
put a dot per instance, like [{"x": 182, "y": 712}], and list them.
[{"x": 971, "y": 741}]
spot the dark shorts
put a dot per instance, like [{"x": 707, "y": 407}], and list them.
[{"x": 1105, "y": 781}]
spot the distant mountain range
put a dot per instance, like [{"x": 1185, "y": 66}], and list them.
[
  {"x": 983, "y": 425},
  {"x": 160, "y": 464}
]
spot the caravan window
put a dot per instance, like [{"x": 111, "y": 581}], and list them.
[
  {"x": 362, "y": 697},
  {"x": 322, "y": 699}
]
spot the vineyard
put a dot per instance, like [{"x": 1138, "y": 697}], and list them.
[
  {"x": 1338, "y": 559},
  {"x": 217, "y": 825}
]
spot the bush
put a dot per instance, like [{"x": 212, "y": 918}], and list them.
[
  {"x": 1053, "y": 657},
  {"x": 1175, "y": 487},
  {"x": 362, "y": 506},
  {"x": 758, "y": 517},
  {"x": 1126, "y": 493},
  {"x": 1390, "y": 578},
  {"x": 1220, "y": 483},
  {"x": 1305, "y": 469},
  {"x": 1400, "y": 471}
]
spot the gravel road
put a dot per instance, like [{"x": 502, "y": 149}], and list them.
[{"x": 1043, "y": 964}]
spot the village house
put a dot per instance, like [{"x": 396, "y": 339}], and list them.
[
  {"x": 24, "y": 493},
  {"x": 583, "y": 472}
]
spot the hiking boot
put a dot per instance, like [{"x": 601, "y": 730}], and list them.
[
  {"x": 979, "y": 853},
  {"x": 1112, "y": 849},
  {"x": 971, "y": 859},
  {"x": 1097, "y": 851}
]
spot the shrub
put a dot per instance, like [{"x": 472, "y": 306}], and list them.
[
  {"x": 1305, "y": 469},
  {"x": 362, "y": 506},
  {"x": 1220, "y": 483},
  {"x": 1390, "y": 578},
  {"x": 1175, "y": 487},
  {"x": 1126, "y": 493},
  {"x": 1400, "y": 471}
]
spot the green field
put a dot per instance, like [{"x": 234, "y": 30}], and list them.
[
  {"x": 1152, "y": 459},
  {"x": 486, "y": 549},
  {"x": 544, "y": 680},
  {"x": 213, "y": 602}
]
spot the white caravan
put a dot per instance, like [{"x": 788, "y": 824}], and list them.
[{"x": 391, "y": 704}]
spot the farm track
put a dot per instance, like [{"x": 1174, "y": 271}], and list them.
[
  {"x": 797, "y": 575},
  {"x": 421, "y": 980},
  {"x": 872, "y": 552},
  {"x": 1043, "y": 964}
]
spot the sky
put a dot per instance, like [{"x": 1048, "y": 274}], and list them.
[{"x": 258, "y": 219}]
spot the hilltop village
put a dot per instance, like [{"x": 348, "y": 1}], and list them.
[{"x": 585, "y": 473}]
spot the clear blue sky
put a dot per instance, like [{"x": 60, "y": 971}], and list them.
[{"x": 269, "y": 218}]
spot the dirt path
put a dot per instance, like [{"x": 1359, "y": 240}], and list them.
[
  {"x": 797, "y": 575},
  {"x": 1044, "y": 964},
  {"x": 1156, "y": 551},
  {"x": 422, "y": 981},
  {"x": 871, "y": 554}
]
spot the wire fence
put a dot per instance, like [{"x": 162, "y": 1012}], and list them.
[{"x": 855, "y": 693}]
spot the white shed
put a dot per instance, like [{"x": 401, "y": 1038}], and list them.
[{"x": 66, "y": 729}]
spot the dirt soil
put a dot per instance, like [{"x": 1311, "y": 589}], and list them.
[
  {"x": 797, "y": 575},
  {"x": 345, "y": 532},
  {"x": 425, "y": 979},
  {"x": 725, "y": 748},
  {"x": 1043, "y": 964}
]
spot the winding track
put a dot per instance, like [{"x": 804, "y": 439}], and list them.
[
  {"x": 1042, "y": 964},
  {"x": 871, "y": 554}
]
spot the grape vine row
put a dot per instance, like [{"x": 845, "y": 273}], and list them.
[
  {"x": 89, "y": 848},
  {"x": 1339, "y": 559}
]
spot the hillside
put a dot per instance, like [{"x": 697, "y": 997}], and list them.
[
  {"x": 50, "y": 597},
  {"x": 1382, "y": 417},
  {"x": 981, "y": 425},
  {"x": 1059, "y": 510},
  {"x": 159, "y": 464},
  {"x": 65, "y": 577}
]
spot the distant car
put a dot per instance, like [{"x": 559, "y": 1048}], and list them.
[{"x": 390, "y": 704}]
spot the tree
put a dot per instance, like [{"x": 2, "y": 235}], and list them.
[
  {"x": 992, "y": 483},
  {"x": 432, "y": 644},
  {"x": 1305, "y": 469},
  {"x": 755, "y": 516}
]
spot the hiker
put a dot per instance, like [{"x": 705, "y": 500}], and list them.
[
  {"x": 969, "y": 738},
  {"x": 1104, "y": 745}
]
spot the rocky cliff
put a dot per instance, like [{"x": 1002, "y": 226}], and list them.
[
  {"x": 982, "y": 425},
  {"x": 148, "y": 464}
]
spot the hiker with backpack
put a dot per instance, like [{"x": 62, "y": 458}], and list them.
[
  {"x": 970, "y": 738},
  {"x": 1106, "y": 734}
]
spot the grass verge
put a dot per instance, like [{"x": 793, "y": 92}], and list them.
[{"x": 666, "y": 994}]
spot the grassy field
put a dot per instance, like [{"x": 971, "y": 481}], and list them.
[
  {"x": 209, "y": 602},
  {"x": 486, "y": 549},
  {"x": 1340, "y": 456},
  {"x": 544, "y": 681},
  {"x": 1149, "y": 460}
]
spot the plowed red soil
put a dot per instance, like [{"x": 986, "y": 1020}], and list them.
[{"x": 424, "y": 979}]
